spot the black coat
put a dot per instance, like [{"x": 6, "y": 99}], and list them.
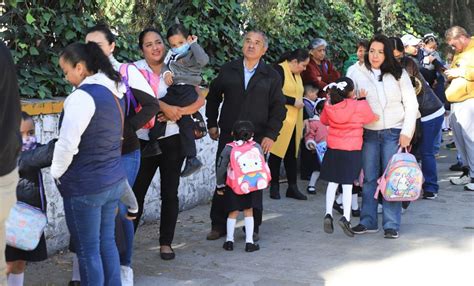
[
  {"x": 10, "y": 113},
  {"x": 262, "y": 102},
  {"x": 29, "y": 166}
]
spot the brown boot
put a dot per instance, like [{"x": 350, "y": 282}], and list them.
[{"x": 214, "y": 234}]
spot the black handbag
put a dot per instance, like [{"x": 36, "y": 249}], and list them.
[{"x": 199, "y": 127}]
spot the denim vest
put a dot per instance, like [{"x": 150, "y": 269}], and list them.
[{"x": 97, "y": 165}]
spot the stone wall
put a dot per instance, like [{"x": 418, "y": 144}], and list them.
[{"x": 193, "y": 190}]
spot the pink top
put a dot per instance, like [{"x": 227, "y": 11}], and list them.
[
  {"x": 315, "y": 131},
  {"x": 346, "y": 120}
]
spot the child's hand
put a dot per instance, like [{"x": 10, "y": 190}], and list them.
[
  {"x": 362, "y": 93},
  {"x": 192, "y": 39},
  {"x": 168, "y": 78},
  {"x": 220, "y": 191},
  {"x": 376, "y": 118}
]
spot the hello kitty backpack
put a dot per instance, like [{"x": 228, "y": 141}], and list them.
[
  {"x": 402, "y": 179},
  {"x": 247, "y": 171}
]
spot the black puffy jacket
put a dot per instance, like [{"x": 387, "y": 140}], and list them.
[
  {"x": 428, "y": 102},
  {"x": 29, "y": 166}
]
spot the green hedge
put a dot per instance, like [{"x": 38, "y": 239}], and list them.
[{"x": 36, "y": 31}]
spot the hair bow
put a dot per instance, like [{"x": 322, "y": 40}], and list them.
[{"x": 339, "y": 85}]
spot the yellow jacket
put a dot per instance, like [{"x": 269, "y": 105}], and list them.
[
  {"x": 292, "y": 87},
  {"x": 462, "y": 88}
]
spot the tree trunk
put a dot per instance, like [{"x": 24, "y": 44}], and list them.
[{"x": 468, "y": 20}]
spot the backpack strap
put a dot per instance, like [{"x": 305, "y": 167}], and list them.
[
  {"x": 128, "y": 94},
  {"x": 41, "y": 191}
]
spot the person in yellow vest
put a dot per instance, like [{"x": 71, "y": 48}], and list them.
[
  {"x": 289, "y": 66},
  {"x": 460, "y": 93}
]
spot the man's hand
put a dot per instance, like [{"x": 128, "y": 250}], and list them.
[
  {"x": 214, "y": 133},
  {"x": 454, "y": 73},
  {"x": 267, "y": 144},
  {"x": 404, "y": 141}
]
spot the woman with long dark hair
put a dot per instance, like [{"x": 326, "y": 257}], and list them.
[
  {"x": 290, "y": 65},
  {"x": 391, "y": 96}
]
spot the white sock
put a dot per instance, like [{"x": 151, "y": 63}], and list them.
[
  {"x": 354, "y": 204},
  {"x": 330, "y": 195},
  {"x": 313, "y": 179},
  {"x": 76, "y": 274},
  {"x": 248, "y": 229},
  {"x": 15, "y": 279},
  {"x": 230, "y": 229},
  {"x": 346, "y": 200},
  {"x": 339, "y": 199}
]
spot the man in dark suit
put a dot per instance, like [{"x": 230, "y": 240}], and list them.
[
  {"x": 248, "y": 89},
  {"x": 10, "y": 118}
]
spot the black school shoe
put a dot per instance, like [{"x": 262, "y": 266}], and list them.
[
  {"x": 228, "y": 245},
  {"x": 293, "y": 192},
  {"x": 275, "y": 191},
  {"x": 192, "y": 166},
  {"x": 356, "y": 213},
  {"x": 74, "y": 283},
  {"x": 338, "y": 207},
  {"x": 346, "y": 226},
  {"x": 328, "y": 226},
  {"x": 151, "y": 149},
  {"x": 251, "y": 247},
  {"x": 456, "y": 167},
  {"x": 311, "y": 190},
  {"x": 167, "y": 255}
]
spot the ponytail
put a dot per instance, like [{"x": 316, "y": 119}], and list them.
[
  {"x": 335, "y": 95},
  {"x": 94, "y": 58},
  {"x": 340, "y": 89},
  {"x": 100, "y": 62}
]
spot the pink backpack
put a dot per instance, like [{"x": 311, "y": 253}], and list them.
[
  {"x": 402, "y": 179},
  {"x": 247, "y": 171},
  {"x": 152, "y": 79}
]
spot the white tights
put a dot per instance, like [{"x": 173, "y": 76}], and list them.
[{"x": 346, "y": 198}]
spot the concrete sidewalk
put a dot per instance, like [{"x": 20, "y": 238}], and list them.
[{"x": 436, "y": 247}]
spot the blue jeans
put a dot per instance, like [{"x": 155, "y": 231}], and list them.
[
  {"x": 131, "y": 164},
  {"x": 430, "y": 130},
  {"x": 91, "y": 223},
  {"x": 438, "y": 139},
  {"x": 377, "y": 150}
]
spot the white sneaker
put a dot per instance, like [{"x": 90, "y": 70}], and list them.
[
  {"x": 126, "y": 275},
  {"x": 463, "y": 180},
  {"x": 469, "y": 187},
  {"x": 380, "y": 209}
]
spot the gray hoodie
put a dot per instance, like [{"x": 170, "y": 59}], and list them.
[{"x": 187, "y": 67}]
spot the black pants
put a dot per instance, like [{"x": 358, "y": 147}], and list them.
[
  {"x": 218, "y": 208},
  {"x": 169, "y": 162},
  {"x": 179, "y": 95},
  {"x": 289, "y": 161}
]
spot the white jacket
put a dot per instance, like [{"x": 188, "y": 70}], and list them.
[{"x": 401, "y": 107}]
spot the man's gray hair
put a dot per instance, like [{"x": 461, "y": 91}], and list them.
[
  {"x": 455, "y": 32},
  {"x": 317, "y": 42},
  {"x": 261, "y": 33}
]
